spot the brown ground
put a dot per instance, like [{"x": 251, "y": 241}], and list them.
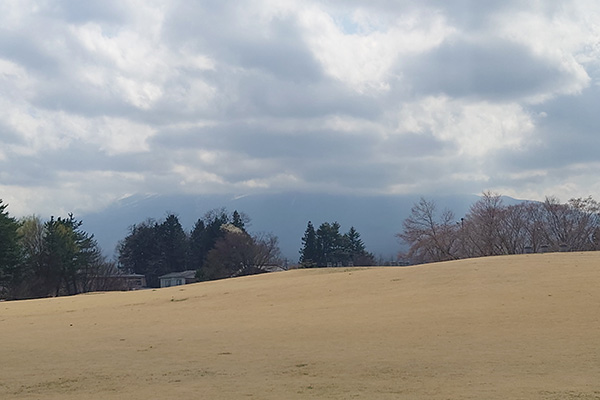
[{"x": 517, "y": 327}]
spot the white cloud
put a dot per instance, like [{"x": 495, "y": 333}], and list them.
[
  {"x": 78, "y": 192},
  {"x": 565, "y": 35},
  {"x": 119, "y": 136},
  {"x": 15, "y": 81},
  {"x": 476, "y": 128},
  {"x": 363, "y": 59}
]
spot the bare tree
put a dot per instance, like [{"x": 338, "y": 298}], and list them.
[
  {"x": 513, "y": 230},
  {"x": 482, "y": 226},
  {"x": 573, "y": 225},
  {"x": 491, "y": 228},
  {"x": 430, "y": 238},
  {"x": 267, "y": 252}
]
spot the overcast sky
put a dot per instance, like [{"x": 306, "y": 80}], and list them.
[{"x": 101, "y": 99}]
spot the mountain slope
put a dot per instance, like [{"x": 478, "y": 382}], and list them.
[{"x": 495, "y": 328}]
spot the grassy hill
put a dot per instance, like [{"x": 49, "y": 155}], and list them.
[{"x": 516, "y": 327}]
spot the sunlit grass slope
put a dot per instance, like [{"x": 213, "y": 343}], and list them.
[{"x": 517, "y": 327}]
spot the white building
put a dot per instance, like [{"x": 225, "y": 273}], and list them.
[{"x": 178, "y": 278}]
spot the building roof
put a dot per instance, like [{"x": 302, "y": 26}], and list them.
[{"x": 190, "y": 274}]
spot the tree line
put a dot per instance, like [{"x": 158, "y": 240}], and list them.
[
  {"x": 327, "y": 246},
  {"x": 57, "y": 257},
  {"x": 492, "y": 228},
  {"x": 47, "y": 258},
  {"x": 217, "y": 247}
]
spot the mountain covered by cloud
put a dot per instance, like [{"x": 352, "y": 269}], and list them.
[
  {"x": 376, "y": 218},
  {"x": 102, "y": 100}
]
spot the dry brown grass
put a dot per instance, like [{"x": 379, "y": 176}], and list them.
[{"x": 517, "y": 327}]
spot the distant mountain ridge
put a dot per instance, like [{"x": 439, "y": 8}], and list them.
[{"x": 377, "y": 218}]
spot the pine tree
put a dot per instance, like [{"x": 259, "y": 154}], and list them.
[
  {"x": 309, "y": 254},
  {"x": 207, "y": 231},
  {"x": 355, "y": 243},
  {"x": 197, "y": 251},
  {"x": 238, "y": 220},
  {"x": 139, "y": 251},
  {"x": 154, "y": 249},
  {"x": 356, "y": 250},
  {"x": 330, "y": 245},
  {"x": 173, "y": 244}
]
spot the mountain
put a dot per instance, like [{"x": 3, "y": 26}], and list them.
[{"x": 377, "y": 218}]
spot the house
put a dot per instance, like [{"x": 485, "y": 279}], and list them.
[{"x": 177, "y": 278}]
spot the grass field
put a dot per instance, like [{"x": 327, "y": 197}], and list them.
[{"x": 516, "y": 327}]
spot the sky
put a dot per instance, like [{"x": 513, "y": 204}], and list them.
[{"x": 104, "y": 99}]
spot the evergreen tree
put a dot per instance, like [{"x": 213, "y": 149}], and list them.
[
  {"x": 197, "y": 250},
  {"x": 204, "y": 236},
  {"x": 239, "y": 220},
  {"x": 309, "y": 254},
  {"x": 154, "y": 249},
  {"x": 68, "y": 254},
  {"x": 139, "y": 252},
  {"x": 354, "y": 242},
  {"x": 356, "y": 250},
  {"x": 207, "y": 232},
  {"x": 173, "y": 244},
  {"x": 330, "y": 245},
  {"x": 10, "y": 255}
]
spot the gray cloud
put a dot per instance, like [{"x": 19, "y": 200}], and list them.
[
  {"x": 8, "y": 135},
  {"x": 567, "y": 133},
  {"x": 492, "y": 70},
  {"x": 22, "y": 48},
  {"x": 217, "y": 97},
  {"x": 106, "y": 11}
]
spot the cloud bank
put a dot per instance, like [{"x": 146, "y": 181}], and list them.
[{"x": 104, "y": 99}]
